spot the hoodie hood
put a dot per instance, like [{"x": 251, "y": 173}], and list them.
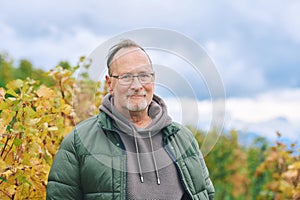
[{"x": 157, "y": 111}]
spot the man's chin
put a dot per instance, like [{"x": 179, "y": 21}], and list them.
[{"x": 135, "y": 107}]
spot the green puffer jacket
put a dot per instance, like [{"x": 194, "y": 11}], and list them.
[{"x": 91, "y": 163}]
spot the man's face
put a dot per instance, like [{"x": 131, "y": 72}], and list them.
[{"x": 133, "y": 97}]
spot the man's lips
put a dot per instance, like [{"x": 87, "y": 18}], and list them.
[{"x": 137, "y": 96}]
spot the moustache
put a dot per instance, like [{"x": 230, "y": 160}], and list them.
[{"x": 136, "y": 93}]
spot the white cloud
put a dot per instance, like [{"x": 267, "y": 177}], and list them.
[
  {"x": 267, "y": 113},
  {"x": 269, "y": 128},
  {"x": 266, "y": 107},
  {"x": 67, "y": 46},
  {"x": 48, "y": 51},
  {"x": 264, "y": 115}
]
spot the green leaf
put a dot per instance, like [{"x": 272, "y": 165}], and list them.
[
  {"x": 17, "y": 142},
  {"x": 12, "y": 93},
  {"x": 3, "y": 179},
  {"x": 22, "y": 179}
]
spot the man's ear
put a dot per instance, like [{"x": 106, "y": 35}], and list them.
[{"x": 108, "y": 81}]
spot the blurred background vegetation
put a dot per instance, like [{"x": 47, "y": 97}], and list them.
[{"x": 38, "y": 108}]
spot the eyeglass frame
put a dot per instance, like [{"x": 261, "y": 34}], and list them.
[{"x": 119, "y": 77}]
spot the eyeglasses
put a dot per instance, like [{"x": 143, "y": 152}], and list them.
[{"x": 127, "y": 79}]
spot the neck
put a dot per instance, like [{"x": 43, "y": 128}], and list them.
[{"x": 140, "y": 120}]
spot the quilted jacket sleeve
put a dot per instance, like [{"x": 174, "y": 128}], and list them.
[
  {"x": 208, "y": 183},
  {"x": 204, "y": 188},
  {"x": 64, "y": 178},
  {"x": 209, "y": 186}
]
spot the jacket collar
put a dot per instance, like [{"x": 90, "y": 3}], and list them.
[
  {"x": 170, "y": 130},
  {"x": 104, "y": 121}
]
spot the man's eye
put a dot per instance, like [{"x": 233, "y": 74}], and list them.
[
  {"x": 144, "y": 75},
  {"x": 126, "y": 76}
]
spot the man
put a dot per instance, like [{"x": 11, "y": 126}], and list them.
[{"x": 132, "y": 149}]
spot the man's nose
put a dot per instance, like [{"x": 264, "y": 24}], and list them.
[{"x": 136, "y": 83}]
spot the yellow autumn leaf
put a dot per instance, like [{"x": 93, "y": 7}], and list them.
[
  {"x": 2, "y": 127},
  {"x": 4, "y": 105},
  {"x": 12, "y": 92},
  {"x": 53, "y": 128},
  {"x": 45, "y": 92},
  {"x": 286, "y": 188},
  {"x": 11, "y": 189},
  {"x": 15, "y": 84},
  {"x": 7, "y": 173},
  {"x": 3, "y": 164},
  {"x": 29, "y": 111},
  {"x": 2, "y": 93},
  {"x": 291, "y": 174},
  {"x": 33, "y": 121},
  {"x": 67, "y": 109},
  {"x": 294, "y": 166},
  {"x": 7, "y": 116}
]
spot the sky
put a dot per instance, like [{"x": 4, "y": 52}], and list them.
[{"x": 254, "y": 45}]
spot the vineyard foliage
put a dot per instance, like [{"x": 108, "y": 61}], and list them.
[
  {"x": 9, "y": 72},
  {"x": 259, "y": 171},
  {"x": 36, "y": 114},
  {"x": 34, "y": 119}
]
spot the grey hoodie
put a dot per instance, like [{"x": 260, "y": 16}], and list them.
[{"x": 151, "y": 174}]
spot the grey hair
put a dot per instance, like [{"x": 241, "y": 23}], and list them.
[{"x": 127, "y": 43}]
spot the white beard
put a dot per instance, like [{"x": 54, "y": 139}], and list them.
[{"x": 137, "y": 107}]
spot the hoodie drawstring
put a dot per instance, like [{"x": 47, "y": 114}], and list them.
[
  {"x": 154, "y": 160},
  {"x": 138, "y": 155}
]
